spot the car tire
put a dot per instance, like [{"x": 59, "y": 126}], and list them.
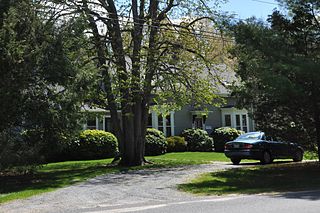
[
  {"x": 235, "y": 161},
  {"x": 298, "y": 156},
  {"x": 266, "y": 158}
]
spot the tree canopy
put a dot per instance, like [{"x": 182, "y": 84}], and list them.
[
  {"x": 279, "y": 67},
  {"x": 149, "y": 52},
  {"x": 42, "y": 83}
]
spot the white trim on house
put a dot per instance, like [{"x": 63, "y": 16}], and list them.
[
  {"x": 172, "y": 122},
  {"x": 154, "y": 118},
  {"x": 235, "y": 113},
  {"x": 155, "y": 123}
]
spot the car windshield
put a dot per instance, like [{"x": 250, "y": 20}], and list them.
[{"x": 250, "y": 136}]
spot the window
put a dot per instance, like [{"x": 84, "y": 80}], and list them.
[
  {"x": 91, "y": 123},
  {"x": 164, "y": 124},
  {"x": 235, "y": 118},
  {"x": 244, "y": 123},
  {"x": 99, "y": 122},
  {"x": 168, "y": 125},
  {"x": 238, "y": 123},
  {"x": 227, "y": 120}
]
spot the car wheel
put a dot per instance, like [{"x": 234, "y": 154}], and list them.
[
  {"x": 235, "y": 161},
  {"x": 266, "y": 158},
  {"x": 298, "y": 156}
]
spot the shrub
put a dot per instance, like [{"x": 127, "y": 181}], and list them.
[
  {"x": 198, "y": 140},
  {"x": 223, "y": 135},
  {"x": 156, "y": 143},
  {"x": 18, "y": 155},
  {"x": 176, "y": 144},
  {"x": 93, "y": 144}
]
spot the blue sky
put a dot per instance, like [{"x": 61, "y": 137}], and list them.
[{"x": 247, "y": 8}]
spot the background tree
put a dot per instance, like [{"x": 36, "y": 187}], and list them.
[
  {"x": 146, "y": 49},
  {"x": 41, "y": 83},
  {"x": 279, "y": 68}
]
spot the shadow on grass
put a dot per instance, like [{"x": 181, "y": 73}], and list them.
[
  {"x": 60, "y": 175},
  {"x": 51, "y": 179},
  {"x": 277, "y": 177},
  {"x": 254, "y": 163}
]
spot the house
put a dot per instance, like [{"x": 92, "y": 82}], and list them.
[{"x": 187, "y": 117}]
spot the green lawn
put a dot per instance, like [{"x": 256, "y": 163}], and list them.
[
  {"x": 56, "y": 175},
  {"x": 188, "y": 158},
  {"x": 259, "y": 179}
]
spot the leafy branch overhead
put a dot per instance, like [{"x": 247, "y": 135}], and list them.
[{"x": 148, "y": 47}]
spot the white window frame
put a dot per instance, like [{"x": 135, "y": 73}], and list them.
[
  {"x": 155, "y": 122},
  {"x": 85, "y": 126},
  {"x": 233, "y": 112}
]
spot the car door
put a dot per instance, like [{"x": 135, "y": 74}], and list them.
[
  {"x": 273, "y": 146},
  {"x": 283, "y": 149}
]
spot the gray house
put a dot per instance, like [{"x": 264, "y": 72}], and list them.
[{"x": 187, "y": 117}]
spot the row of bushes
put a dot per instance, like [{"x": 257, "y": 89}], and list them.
[
  {"x": 190, "y": 140},
  {"x": 96, "y": 144}
]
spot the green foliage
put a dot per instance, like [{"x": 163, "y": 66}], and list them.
[
  {"x": 176, "y": 144},
  {"x": 43, "y": 81},
  {"x": 279, "y": 68},
  {"x": 156, "y": 143},
  {"x": 222, "y": 135},
  {"x": 16, "y": 153},
  {"x": 92, "y": 144},
  {"x": 198, "y": 140}
]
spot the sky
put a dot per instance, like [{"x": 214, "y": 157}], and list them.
[{"x": 248, "y": 8}]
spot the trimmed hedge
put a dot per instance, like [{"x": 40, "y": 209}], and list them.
[
  {"x": 198, "y": 140},
  {"x": 176, "y": 144},
  {"x": 93, "y": 144},
  {"x": 223, "y": 135},
  {"x": 156, "y": 143}
]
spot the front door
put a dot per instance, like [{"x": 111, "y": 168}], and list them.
[{"x": 198, "y": 123}]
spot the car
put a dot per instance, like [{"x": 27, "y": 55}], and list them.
[{"x": 259, "y": 146}]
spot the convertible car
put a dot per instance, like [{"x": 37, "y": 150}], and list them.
[{"x": 258, "y": 146}]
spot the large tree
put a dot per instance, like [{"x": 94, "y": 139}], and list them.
[
  {"x": 147, "y": 52},
  {"x": 280, "y": 71}
]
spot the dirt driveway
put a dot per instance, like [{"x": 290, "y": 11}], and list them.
[{"x": 109, "y": 193}]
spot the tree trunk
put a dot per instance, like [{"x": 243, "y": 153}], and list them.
[
  {"x": 102, "y": 61},
  {"x": 317, "y": 127}
]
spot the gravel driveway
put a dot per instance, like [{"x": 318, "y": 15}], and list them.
[{"x": 110, "y": 192}]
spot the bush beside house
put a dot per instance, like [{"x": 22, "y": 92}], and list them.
[
  {"x": 156, "y": 143},
  {"x": 198, "y": 140},
  {"x": 92, "y": 144},
  {"x": 176, "y": 144},
  {"x": 222, "y": 135}
]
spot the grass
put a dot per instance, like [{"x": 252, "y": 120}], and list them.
[
  {"x": 52, "y": 176},
  {"x": 278, "y": 177},
  {"x": 188, "y": 158}
]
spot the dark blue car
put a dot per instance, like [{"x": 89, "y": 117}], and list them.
[{"x": 258, "y": 146}]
